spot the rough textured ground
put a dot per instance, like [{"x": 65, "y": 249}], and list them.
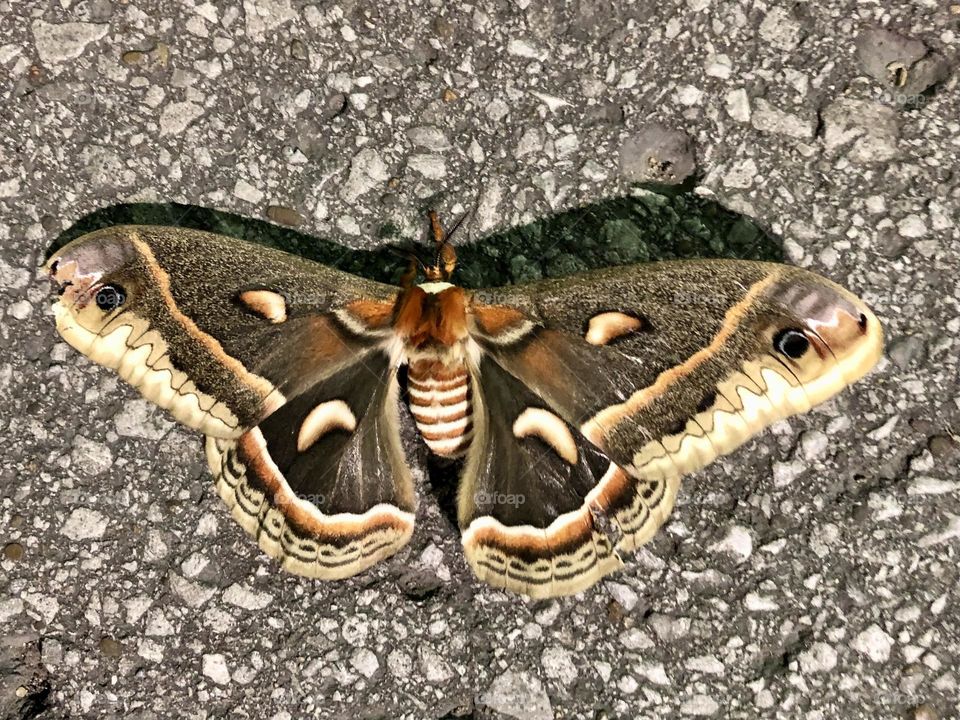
[{"x": 813, "y": 574}]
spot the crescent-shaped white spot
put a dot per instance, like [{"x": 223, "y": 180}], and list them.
[
  {"x": 266, "y": 303},
  {"x": 549, "y": 428},
  {"x": 609, "y": 326},
  {"x": 322, "y": 419}
]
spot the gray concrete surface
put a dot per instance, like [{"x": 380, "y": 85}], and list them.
[{"x": 813, "y": 574}]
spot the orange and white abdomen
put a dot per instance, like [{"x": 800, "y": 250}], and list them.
[{"x": 441, "y": 405}]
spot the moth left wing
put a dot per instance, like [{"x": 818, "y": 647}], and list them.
[
  {"x": 286, "y": 366},
  {"x": 659, "y": 368}
]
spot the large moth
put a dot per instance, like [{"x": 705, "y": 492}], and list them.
[{"x": 572, "y": 407}]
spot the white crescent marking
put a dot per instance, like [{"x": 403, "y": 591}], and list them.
[
  {"x": 549, "y": 428},
  {"x": 322, "y": 419}
]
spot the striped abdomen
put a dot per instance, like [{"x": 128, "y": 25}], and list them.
[{"x": 440, "y": 403}]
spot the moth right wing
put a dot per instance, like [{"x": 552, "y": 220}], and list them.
[
  {"x": 322, "y": 484},
  {"x": 218, "y": 331}
]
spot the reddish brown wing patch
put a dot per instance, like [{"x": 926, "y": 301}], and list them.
[
  {"x": 496, "y": 320},
  {"x": 375, "y": 314}
]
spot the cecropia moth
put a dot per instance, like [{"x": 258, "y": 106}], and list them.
[{"x": 572, "y": 406}]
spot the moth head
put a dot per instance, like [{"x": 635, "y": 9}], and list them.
[
  {"x": 97, "y": 277},
  {"x": 445, "y": 257},
  {"x": 822, "y": 334}
]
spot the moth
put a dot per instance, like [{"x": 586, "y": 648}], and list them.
[{"x": 570, "y": 407}]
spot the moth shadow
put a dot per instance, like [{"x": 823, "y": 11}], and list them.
[{"x": 650, "y": 225}]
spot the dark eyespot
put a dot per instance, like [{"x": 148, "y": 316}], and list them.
[
  {"x": 792, "y": 343},
  {"x": 678, "y": 427},
  {"x": 707, "y": 401},
  {"x": 862, "y": 323},
  {"x": 110, "y": 297}
]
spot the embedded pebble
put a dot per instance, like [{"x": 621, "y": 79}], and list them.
[
  {"x": 264, "y": 16},
  {"x": 874, "y": 643},
  {"x": 435, "y": 669},
  {"x": 781, "y": 29},
  {"x": 10, "y": 608},
  {"x": 623, "y": 594},
  {"x": 814, "y": 444},
  {"x": 57, "y": 43},
  {"x": 245, "y": 191},
  {"x": 518, "y": 695},
  {"x": 47, "y": 606},
  {"x": 365, "y": 662},
  {"x": 85, "y": 524},
  {"x": 907, "y": 350},
  {"x": 432, "y": 167},
  {"x": 700, "y": 705},
  {"x": 819, "y": 657},
  {"x": 150, "y": 650},
  {"x": 912, "y": 226},
  {"x": 429, "y": 137},
  {"x": 785, "y": 473},
  {"x": 367, "y": 171},
  {"x": 142, "y": 419},
  {"x": 668, "y": 628},
  {"x": 738, "y": 542},
  {"x": 90, "y": 457},
  {"x": 755, "y": 602},
  {"x": 157, "y": 623},
  {"x": 246, "y": 598},
  {"x": 215, "y": 668},
  {"x": 177, "y": 116},
  {"x": 635, "y": 639},
  {"x": 870, "y": 129},
  {"x": 20, "y": 310},
  {"x": 558, "y": 664},
  {"x": 738, "y": 105},
  {"x": 655, "y": 673},
  {"x": 741, "y": 174},
  {"x": 767, "y": 118},
  {"x": 399, "y": 663},
  {"x": 932, "y": 486},
  {"x": 705, "y": 664}
]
